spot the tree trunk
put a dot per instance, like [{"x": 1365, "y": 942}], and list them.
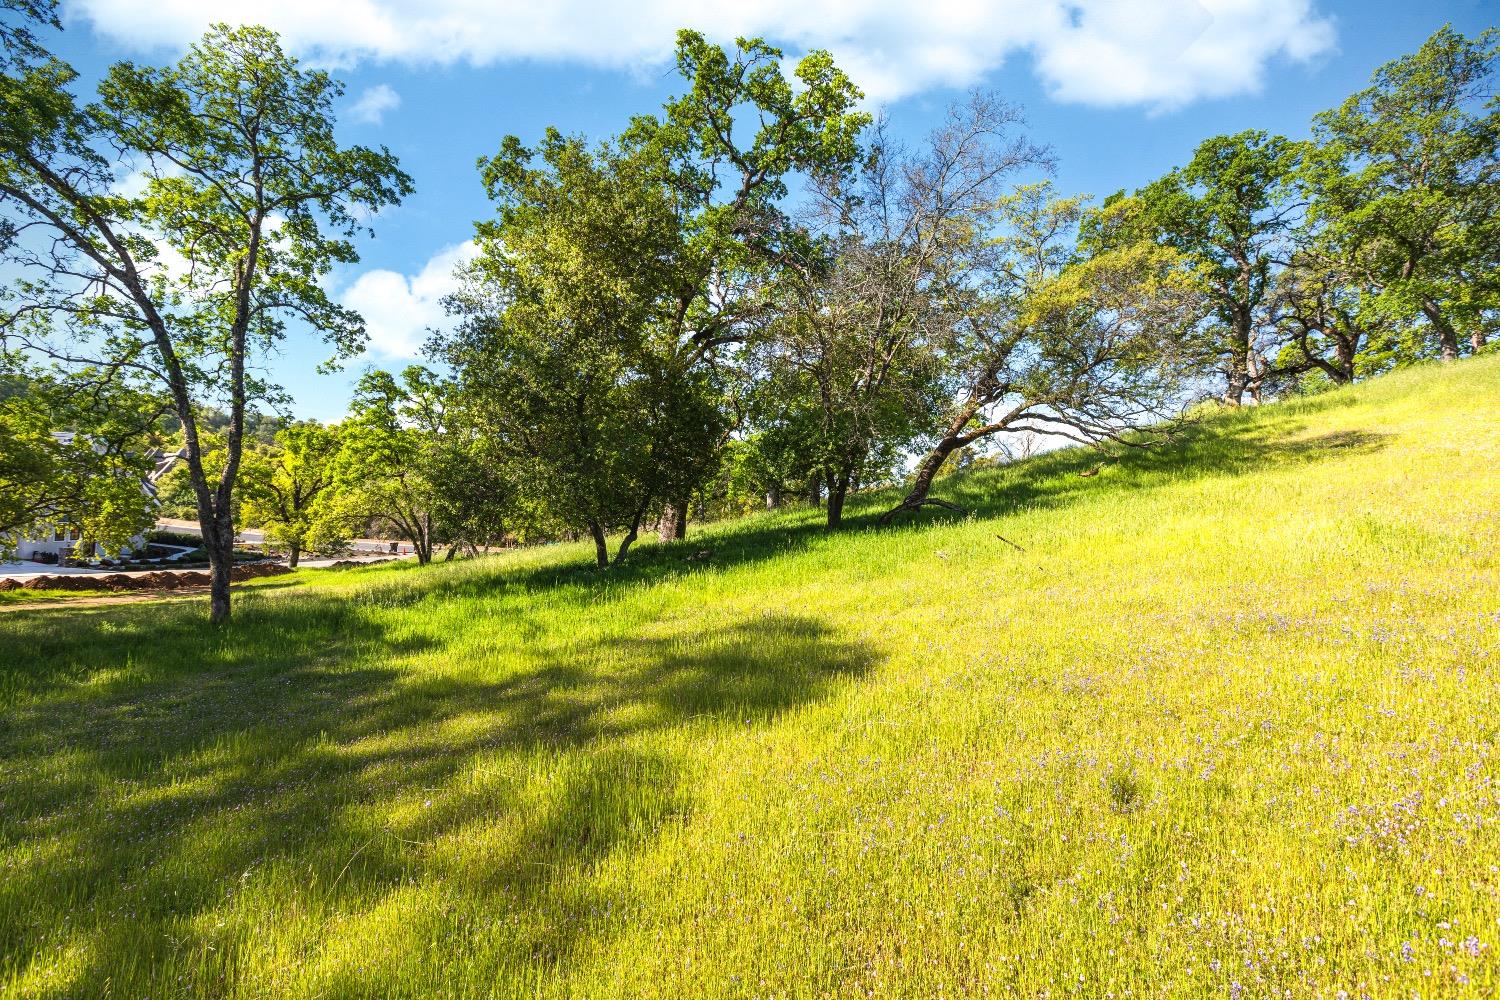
[
  {"x": 921, "y": 484},
  {"x": 220, "y": 548},
  {"x": 1447, "y": 337},
  {"x": 424, "y": 540},
  {"x": 1238, "y": 376},
  {"x": 627, "y": 541},
  {"x": 815, "y": 491},
  {"x": 1345, "y": 349},
  {"x": 601, "y": 545},
  {"x": 1236, "y": 379},
  {"x": 773, "y": 497},
  {"x": 1477, "y": 340},
  {"x": 1256, "y": 372},
  {"x": 296, "y": 554},
  {"x": 838, "y": 491},
  {"x": 673, "y": 523},
  {"x": 1234, "y": 391}
]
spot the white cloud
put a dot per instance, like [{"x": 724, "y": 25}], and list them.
[
  {"x": 131, "y": 184},
  {"x": 1213, "y": 48},
  {"x": 399, "y": 310},
  {"x": 374, "y": 103},
  {"x": 1161, "y": 53}
]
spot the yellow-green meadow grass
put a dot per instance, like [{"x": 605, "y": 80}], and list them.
[{"x": 1224, "y": 724}]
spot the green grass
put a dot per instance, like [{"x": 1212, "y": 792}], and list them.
[{"x": 1230, "y": 718}]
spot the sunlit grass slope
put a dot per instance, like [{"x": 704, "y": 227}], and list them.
[{"x": 1227, "y": 726}]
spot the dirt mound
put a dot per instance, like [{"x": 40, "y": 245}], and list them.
[
  {"x": 252, "y": 570},
  {"x": 155, "y": 580},
  {"x": 356, "y": 563},
  {"x": 161, "y": 579},
  {"x": 62, "y": 583}
]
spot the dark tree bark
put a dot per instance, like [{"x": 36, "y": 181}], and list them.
[
  {"x": 630, "y": 536},
  {"x": 1315, "y": 311},
  {"x": 927, "y": 471},
  {"x": 1447, "y": 336},
  {"x": 838, "y": 492},
  {"x": 773, "y": 497},
  {"x": 1340, "y": 370},
  {"x": 957, "y": 435},
  {"x": 220, "y": 546},
  {"x": 416, "y": 527},
  {"x": 1238, "y": 376},
  {"x": 601, "y": 544},
  {"x": 1343, "y": 371},
  {"x": 815, "y": 491},
  {"x": 295, "y": 555}
]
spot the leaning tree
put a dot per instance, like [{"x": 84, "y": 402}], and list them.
[
  {"x": 1096, "y": 347},
  {"x": 236, "y": 200},
  {"x": 856, "y": 367}
]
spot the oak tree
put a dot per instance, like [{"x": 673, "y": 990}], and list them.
[
  {"x": 1406, "y": 179},
  {"x": 1231, "y": 210},
  {"x": 286, "y": 489},
  {"x": 240, "y": 200}
]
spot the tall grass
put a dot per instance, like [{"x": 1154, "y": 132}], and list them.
[{"x": 1226, "y": 726}]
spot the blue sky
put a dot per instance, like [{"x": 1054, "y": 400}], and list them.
[{"x": 1121, "y": 89}]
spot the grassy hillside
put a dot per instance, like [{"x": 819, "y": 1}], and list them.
[{"x": 1227, "y": 726}]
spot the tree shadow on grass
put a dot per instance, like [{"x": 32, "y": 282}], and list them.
[
  {"x": 1065, "y": 477},
  {"x": 161, "y": 780}
]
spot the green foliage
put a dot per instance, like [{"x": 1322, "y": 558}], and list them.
[
  {"x": 286, "y": 490},
  {"x": 1229, "y": 210},
  {"x": 401, "y": 463},
  {"x": 563, "y": 365},
  {"x": 871, "y": 343},
  {"x": 613, "y": 279},
  {"x": 1373, "y": 245},
  {"x": 1127, "y": 791},
  {"x": 74, "y": 455},
  {"x": 246, "y": 202},
  {"x": 743, "y": 484},
  {"x": 18, "y": 42},
  {"x": 731, "y": 190},
  {"x": 1406, "y": 183}
]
